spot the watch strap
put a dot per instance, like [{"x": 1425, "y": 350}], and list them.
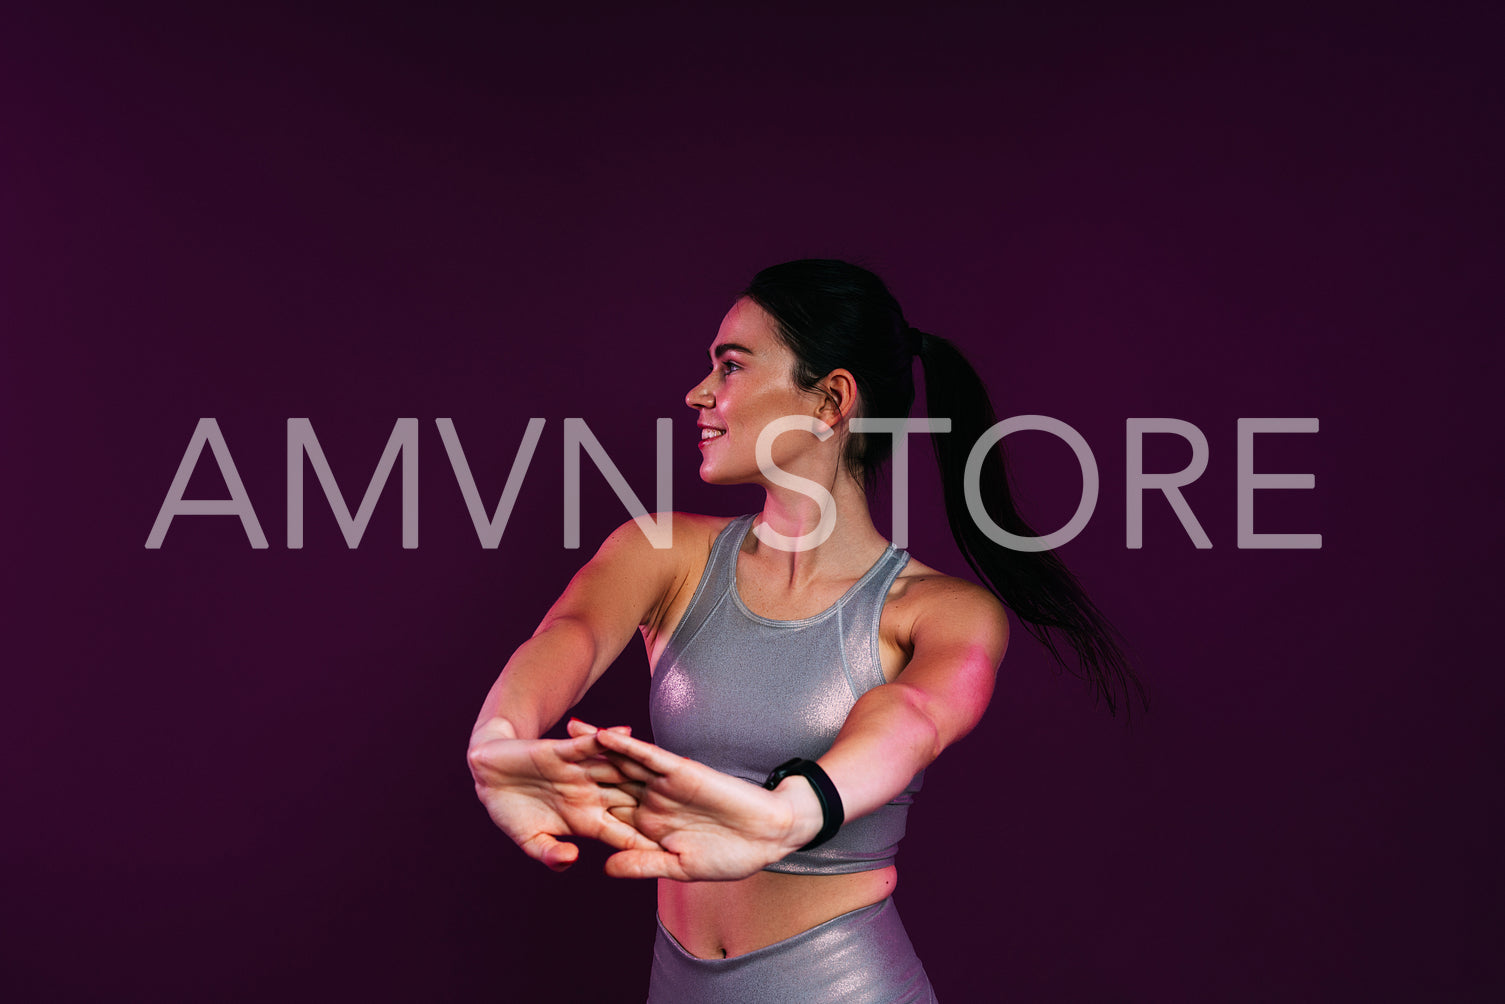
[{"x": 831, "y": 811}]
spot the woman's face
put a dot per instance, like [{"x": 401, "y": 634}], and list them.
[{"x": 751, "y": 383}]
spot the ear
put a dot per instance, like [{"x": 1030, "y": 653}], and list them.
[{"x": 839, "y": 392}]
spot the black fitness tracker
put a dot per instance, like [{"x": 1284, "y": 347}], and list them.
[{"x": 831, "y": 811}]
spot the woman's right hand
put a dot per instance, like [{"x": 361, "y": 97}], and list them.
[{"x": 539, "y": 790}]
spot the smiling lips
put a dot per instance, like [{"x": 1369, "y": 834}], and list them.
[{"x": 707, "y": 434}]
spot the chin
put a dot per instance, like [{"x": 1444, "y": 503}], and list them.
[{"x": 712, "y": 475}]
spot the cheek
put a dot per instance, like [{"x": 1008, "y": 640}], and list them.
[{"x": 791, "y": 446}]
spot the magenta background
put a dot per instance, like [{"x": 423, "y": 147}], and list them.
[{"x": 238, "y": 775}]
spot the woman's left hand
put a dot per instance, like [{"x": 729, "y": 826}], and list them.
[{"x": 710, "y": 826}]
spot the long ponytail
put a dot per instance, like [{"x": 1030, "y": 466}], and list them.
[
  {"x": 1036, "y": 585},
  {"x": 833, "y": 314}
]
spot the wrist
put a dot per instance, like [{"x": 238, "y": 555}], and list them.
[
  {"x": 492, "y": 728},
  {"x": 819, "y": 784},
  {"x": 805, "y": 816}
]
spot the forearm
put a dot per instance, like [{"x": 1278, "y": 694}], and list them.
[
  {"x": 896, "y": 730},
  {"x": 716, "y": 826},
  {"x": 584, "y": 631},
  {"x": 888, "y": 738},
  {"x": 546, "y": 676}
]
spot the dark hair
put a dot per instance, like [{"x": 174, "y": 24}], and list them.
[{"x": 836, "y": 315}]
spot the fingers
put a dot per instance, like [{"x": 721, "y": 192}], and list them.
[
  {"x": 607, "y": 768},
  {"x": 604, "y": 771},
  {"x": 651, "y": 756},
  {"x": 618, "y": 833},
  {"x": 633, "y": 790},
  {"x": 641, "y": 864},
  {"x": 625, "y": 806},
  {"x": 556, "y": 854},
  {"x": 576, "y": 749},
  {"x": 583, "y": 743},
  {"x": 618, "y": 796},
  {"x": 576, "y": 728},
  {"x": 612, "y": 826},
  {"x": 631, "y": 770}
]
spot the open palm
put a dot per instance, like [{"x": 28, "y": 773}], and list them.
[
  {"x": 702, "y": 824},
  {"x": 539, "y": 790}
]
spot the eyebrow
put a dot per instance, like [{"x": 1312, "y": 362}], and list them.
[{"x": 726, "y": 347}]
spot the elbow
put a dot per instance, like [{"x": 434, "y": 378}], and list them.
[
  {"x": 941, "y": 720},
  {"x": 934, "y": 741},
  {"x": 925, "y": 733}
]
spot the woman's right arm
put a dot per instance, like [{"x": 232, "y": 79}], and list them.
[{"x": 537, "y": 790}]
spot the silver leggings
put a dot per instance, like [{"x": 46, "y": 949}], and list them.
[{"x": 862, "y": 957}]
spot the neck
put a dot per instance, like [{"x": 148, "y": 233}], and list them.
[{"x": 854, "y": 542}]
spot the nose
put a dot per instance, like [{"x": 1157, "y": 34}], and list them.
[{"x": 700, "y": 395}]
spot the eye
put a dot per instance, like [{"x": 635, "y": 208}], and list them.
[{"x": 730, "y": 365}]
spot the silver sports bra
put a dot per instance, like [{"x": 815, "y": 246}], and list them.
[{"x": 743, "y": 693}]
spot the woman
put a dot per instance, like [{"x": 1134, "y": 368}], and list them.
[{"x": 794, "y": 648}]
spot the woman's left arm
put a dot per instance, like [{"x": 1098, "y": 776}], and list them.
[
  {"x": 959, "y": 635},
  {"x": 715, "y": 826}
]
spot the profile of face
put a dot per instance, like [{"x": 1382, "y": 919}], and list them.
[{"x": 751, "y": 384}]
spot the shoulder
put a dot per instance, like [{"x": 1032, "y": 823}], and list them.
[
  {"x": 936, "y": 606},
  {"x": 629, "y": 560},
  {"x": 632, "y": 577},
  {"x": 955, "y": 633},
  {"x": 680, "y": 531},
  {"x": 672, "y": 544}
]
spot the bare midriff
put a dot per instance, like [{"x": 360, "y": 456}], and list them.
[{"x": 721, "y": 920}]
